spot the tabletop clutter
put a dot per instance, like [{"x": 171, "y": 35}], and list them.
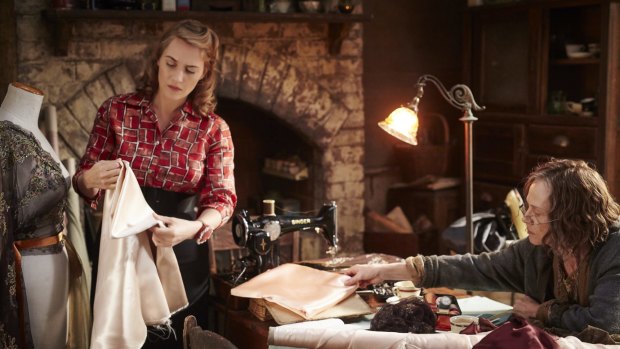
[
  {"x": 293, "y": 293},
  {"x": 314, "y": 309}
]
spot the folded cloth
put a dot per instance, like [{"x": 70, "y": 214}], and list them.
[
  {"x": 304, "y": 291},
  {"x": 134, "y": 287}
]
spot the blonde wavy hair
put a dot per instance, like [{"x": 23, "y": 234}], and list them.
[{"x": 198, "y": 35}]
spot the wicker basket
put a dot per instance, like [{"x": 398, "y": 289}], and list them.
[
  {"x": 431, "y": 155},
  {"x": 258, "y": 308}
]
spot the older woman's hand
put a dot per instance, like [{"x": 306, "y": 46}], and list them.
[
  {"x": 526, "y": 306},
  {"x": 363, "y": 275}
]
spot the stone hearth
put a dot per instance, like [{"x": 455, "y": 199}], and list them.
[{"x": 282, "y": 68}]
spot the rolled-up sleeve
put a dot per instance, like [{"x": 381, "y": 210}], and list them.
[
  {"x": 101, "y": 145},
  {"x": 218, "y": 191}
]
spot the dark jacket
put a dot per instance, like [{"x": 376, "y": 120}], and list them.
[{"x": 525, "y": 268}]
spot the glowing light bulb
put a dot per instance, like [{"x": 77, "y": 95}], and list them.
[{"x": 402, "y": 123}]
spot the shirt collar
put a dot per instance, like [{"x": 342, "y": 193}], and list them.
[{"x": 145, "y": 101}]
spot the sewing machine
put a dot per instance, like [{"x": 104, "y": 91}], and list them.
[{"x": 260, "y": 235}]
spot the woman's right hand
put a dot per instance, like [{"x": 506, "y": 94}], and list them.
[
  {"x": 363, "y": 275},
  {"x": 102, "y": 175}
]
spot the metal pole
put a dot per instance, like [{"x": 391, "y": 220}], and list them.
[{"x": 468, "y": 123}]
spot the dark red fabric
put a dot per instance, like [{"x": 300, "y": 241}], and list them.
[
  {"x": 517, "y": 333},
  {"x": 483, "y": 325}
]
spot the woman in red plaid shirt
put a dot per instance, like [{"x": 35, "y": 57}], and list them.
[{"x": 179, "y": 150}]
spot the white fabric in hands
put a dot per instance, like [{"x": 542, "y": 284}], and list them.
[
  {"x": 134, "y": 288},
  {"x": 303, "y": 290},
  {"x": 134, "y": 207}
]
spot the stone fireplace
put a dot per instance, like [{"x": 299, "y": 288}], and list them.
[{"x": 281, "y": 73}]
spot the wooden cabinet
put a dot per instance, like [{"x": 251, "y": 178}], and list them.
[
  {"x": 504, "y": 76},
  {"x": 517, "y": 66}
]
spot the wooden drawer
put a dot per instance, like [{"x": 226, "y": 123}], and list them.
[{"x": 562, "y": 141}]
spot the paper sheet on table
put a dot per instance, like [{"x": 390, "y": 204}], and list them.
[
  {"x": 302, "y": 290},
  {"x": 481, "y": 305}
]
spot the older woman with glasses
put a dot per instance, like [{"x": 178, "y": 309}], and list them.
[{"x": 568, "y": 267}]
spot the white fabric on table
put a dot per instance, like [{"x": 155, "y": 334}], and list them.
[
  {"x": 342, "y": 338},
  {"x": 339, "y": 338}
]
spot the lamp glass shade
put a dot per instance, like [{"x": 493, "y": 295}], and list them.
[{"x": 402, "y": 123}]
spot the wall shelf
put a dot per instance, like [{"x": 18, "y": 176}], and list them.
[
  {"x": 575, "y": 61},
  {"x": 63, "y": 20}
]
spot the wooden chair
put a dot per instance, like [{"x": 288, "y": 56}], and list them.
[{"x": 194, "y": 337}]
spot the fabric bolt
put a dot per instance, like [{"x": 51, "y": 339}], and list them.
[
  {"x": 194, "y": 154},
  {"x": 303, "y": 290},
  {"x": 32, "y": 201},
  {"x": 138, "y": 284}
]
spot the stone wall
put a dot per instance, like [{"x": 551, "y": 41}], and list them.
[{"x": 284, "y": 68}]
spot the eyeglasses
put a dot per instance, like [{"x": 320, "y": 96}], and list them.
[{"x": 533, "y": 217}]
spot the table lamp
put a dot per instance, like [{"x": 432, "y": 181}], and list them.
[{"x": 402, "y": 123}]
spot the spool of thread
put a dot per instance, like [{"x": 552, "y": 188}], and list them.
[{"x": 269, "y": 207}]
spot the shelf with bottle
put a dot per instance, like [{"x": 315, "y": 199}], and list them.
[{"x": 573, "y": 72}]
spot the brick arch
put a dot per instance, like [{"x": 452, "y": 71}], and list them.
[
  {"x": 77, "y": 114},
  {"x": 271, "y": 83}
]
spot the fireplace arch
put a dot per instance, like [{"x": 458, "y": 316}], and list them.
[{"x": 331, "y": 131}]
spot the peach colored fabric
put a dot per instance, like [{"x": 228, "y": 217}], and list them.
[
  {"x": 303, "y": 290},
  {"x": 134, "y": 288}
]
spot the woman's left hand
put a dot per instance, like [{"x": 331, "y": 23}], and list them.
[
  {"x": 175, "y": 231},
  {"x": 526, "y": 306}
]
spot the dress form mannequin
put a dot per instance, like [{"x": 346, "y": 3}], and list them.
[
  {"x": 45, "y": 274},
  {"x": 21, "y": 106}
]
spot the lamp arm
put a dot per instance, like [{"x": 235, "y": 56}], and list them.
[{"x": 459, "y": 96}]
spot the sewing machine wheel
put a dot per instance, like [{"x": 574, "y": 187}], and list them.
[
  {"x": 273, "y": 228},
  {"x": 240, "y": 229}
]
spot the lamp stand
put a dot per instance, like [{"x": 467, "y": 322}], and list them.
[
  {"x": 468, "y": 123},
  {"x": 460, "y": 97}
]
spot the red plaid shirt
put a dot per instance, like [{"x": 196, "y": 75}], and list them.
[{"x": 193, "y": 154}]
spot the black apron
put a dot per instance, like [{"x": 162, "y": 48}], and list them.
[{"x": 193, "y": 258}]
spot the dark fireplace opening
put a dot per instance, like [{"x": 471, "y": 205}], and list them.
[{"x": 266, "y": 149}]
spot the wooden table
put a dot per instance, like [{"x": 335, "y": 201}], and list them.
[{"x": 239, "y": 325}]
